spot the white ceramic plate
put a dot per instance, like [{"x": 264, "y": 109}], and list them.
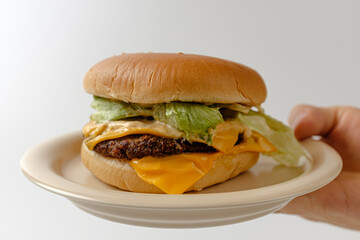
[{"x": 55, "y": 165}]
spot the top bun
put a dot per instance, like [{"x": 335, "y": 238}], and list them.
[{"x": 150, "y": 78}]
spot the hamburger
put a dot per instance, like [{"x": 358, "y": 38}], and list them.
[{"x": 173, "y": 123}]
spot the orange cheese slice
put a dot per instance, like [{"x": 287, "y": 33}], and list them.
[
  {"x": 256, "y": 143},
  {"x": 226, "y": 135},
  {"x": 174, "y": 174}
]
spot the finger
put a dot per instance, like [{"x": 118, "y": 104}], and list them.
[
  {"x": 302, "y": 206},
  {"x": 308, "y": 207},
  {"x": 309, "y": 120},
  {"x": 336, "y": 203}
]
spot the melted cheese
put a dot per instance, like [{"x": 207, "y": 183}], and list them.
[
  {"x": 255, "y": 143},
  {"x": 175, "y": 174},
  {"x": 226, "y": 135}
]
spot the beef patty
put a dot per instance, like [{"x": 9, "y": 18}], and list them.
[{"x": 142, "y": 145}]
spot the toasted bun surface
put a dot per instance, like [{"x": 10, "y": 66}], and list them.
[
  {"x": 120, "y": 174},
  {"x": 150, "y": 78}
]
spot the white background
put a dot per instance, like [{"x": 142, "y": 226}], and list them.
[{"x": 307, "y": 52}]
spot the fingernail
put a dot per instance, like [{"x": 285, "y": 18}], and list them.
[{"x": 296, "y": 118}]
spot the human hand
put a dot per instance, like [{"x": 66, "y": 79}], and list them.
[{"x": 338, "y": 202}]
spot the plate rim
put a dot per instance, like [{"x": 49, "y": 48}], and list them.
[{"x": 79, "y": 192}]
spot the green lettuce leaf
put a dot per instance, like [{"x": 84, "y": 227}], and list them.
[
  {"x": 289, "y": 151},
  {"x": 108, "y": 110},
  {"x": 189, "y": 117}
]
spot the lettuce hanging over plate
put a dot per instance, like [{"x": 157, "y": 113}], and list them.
[{"x": 289, "y": 150}]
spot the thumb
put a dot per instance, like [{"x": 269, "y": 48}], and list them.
[{"x": 309, "y": 120}]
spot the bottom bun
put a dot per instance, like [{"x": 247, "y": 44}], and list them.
[{"x": 119, "y": 173}]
